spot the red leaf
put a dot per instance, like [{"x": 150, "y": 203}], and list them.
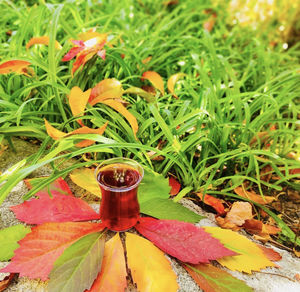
[
  {"x": 58, "y": 208},
  {"x": 59, "y": 186},
  {"x": 72, "y": 53},
  {"x": 213, "y": 202},
  {"x": 175, "y": 186},
  {"x": 39, "y": 249},
  {"x": 182, "y": 240}
]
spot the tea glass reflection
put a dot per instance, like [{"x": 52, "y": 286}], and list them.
[{"x": 119, "y": 179}]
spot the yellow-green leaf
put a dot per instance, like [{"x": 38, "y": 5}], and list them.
[
  {"x": 85, "y": 178},
  {"x": 250, "y": 258},
  {"x": 213, "y": 279},
  {"x": 150, "y": 269},
  {"x": 123, "y": 111}
]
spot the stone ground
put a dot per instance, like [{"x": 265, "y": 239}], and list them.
[{"x": 268, "y": 280}]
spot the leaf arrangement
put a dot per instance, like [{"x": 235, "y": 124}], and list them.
[{"x": 75, "y": 256}]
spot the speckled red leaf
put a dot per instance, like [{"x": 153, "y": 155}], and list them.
[
  {"x": 58, "y": 208},
  {"x": 54, "y": 204},
  {"x": 182, "y": 240},
  {"x": 39, "y": 249},
  {"x": 175, "y": 186}
]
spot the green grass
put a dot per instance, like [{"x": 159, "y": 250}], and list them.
[{"x": 236, "y": 87}]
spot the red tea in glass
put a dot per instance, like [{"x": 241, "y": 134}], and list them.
[{"x": 119, "y": 179}]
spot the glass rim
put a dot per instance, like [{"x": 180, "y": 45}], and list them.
[{"x": 121, "y": 160}]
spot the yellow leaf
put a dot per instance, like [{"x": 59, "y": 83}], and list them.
[
  {"x": 110, "y": 88},
  {"x": 150, "y": 269},
  {"x": 78, "y": 100},
  {"x": 122, "y": 110},
  {"x": 85, "y": 178},
  {"x": 155, "y": 79},
  {"x": 85, "y": 36},
  {"x": 250, "y": 258},
  {"x": 44, "y": 40},
  {"x": 17, "y": 66},
  {"x": 52, "y": 132},
  {"x": 171, "y": 82}
]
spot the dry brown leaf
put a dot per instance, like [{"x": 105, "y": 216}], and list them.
[{"x": 253, "y": 196}]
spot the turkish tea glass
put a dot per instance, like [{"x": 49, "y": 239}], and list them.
[{"x": 119, "y": 179}]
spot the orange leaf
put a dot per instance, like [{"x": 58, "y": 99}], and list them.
[
  {"x": 113, "y": 271},
  {"x": 171, "y": 82},
  {"x": 270, "y": 253},
  {"x": 44, "y": 40},
  {"x": 147, "y": 60},
  {"x": 122, "y": 110},
  {"x": 82, "y": 58},
  {"x": 209, "y": 24},
  {"x": 213, "y": 202},
  {"x": 155, "y": 79},
  {"x": 253, "y": 196},
  {"x": 78, "y": 100},
  {"x": 239, "y": 212},
  {"x": 6, "y": 281},
  {"x": 87, "y": 130},
  {"x": 52, "y": 132},
  {"x": 150, "y": 269},
  {"x": 106, "y": 89},
  {"x": 17, "y": 66}
]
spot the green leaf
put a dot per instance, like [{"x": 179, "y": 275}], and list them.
[
  {"x": 9, "y": 238},
  {"x": 167, "y": 209},
  {"x": 152, "y": 186},
  {"x": 77, "y": 268},
  {"x": 210, "y": 278}
]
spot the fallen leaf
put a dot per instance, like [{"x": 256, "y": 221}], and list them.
[
  {"x": 43, "y": 40},
  {"x": 9, "y": 238},
  {"x": 296, "y": 252},
  {"x": 167, "y": 209},
  {"x": 151, "y": 182},
  {"x": 58, "y": 208},
  {"x": 253, "y": 196},
  {"x": 17, "y": 66},
  {"x": 213, "y": 202},
  {"x": 78, "y": 100},
  {"x": 266, "y": 173},
  {"x": 117, "y": 106},
  {"x": 91, "y": 34},
  {"x": 39, "y": 249},
  {"x": 184, "y": 241},
  {"x": 113, "y": 272},
  {"x": 53, "y": 132},
  {"x": 175, "y": 186},
  {"x": 250, "y": 257},
  {"x": 150, "y": 89},
  {"x": 149, "y": 97},
  {"x": 222, "y": 222},
  {"x": 213, "y": 279},
  {"x": 59, "y": 186},
  {"x": 257, "y": 227},
  {"x": 297, "y": 277},
  {"x": 6, "y": 282},
  {"x": 106, "y": 89},
  {"x": 239, "y": 213},
  {"x": 210, "y": 23},
  {"x": 85, "y": 178},
  {"x": 270, "y": 253},
  {"x": 150, "y": 269},
  {"x": 154, "y": 156},
  {"x": 172, "y": 81},
  {"x": 147, "y": 60},
  {"x": 155, "y": 79},
  {"x": 77, "y": 268}
]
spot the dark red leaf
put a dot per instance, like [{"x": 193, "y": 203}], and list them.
[
  {"x": 182, "y": 240},
  {"x": 175, "y": 186}
]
